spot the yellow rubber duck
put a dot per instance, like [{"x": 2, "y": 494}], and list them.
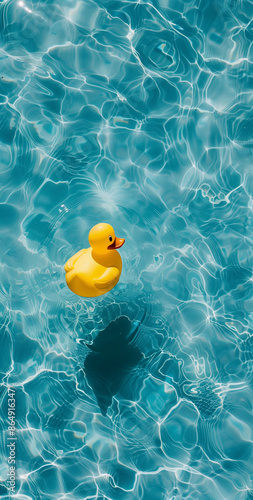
[{"x": 96, "y": 270}]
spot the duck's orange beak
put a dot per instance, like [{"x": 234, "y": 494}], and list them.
[{"x": 118, "y": 242}]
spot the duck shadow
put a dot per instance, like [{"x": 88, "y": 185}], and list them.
[{"x": 114, "y": 355}]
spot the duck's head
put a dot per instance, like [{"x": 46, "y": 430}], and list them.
[{"x": 102, "y": 238}]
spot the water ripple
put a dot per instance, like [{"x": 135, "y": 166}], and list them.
[{"x": 138, "y": 114}]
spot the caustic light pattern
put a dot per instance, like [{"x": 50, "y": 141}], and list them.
[{"x": 138, "y": 114}]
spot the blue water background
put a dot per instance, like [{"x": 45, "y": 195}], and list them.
[{"x": 138, "y": 114}]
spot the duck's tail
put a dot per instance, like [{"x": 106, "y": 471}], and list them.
[{"x": 70, "y": 278}]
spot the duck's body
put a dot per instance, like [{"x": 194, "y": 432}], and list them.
[{"x": 96, "y": 270}]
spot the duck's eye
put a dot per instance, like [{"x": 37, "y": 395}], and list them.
[{"x": 110, "y": 238}]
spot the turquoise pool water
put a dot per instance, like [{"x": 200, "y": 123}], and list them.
[{"x": 138, "y": 114}]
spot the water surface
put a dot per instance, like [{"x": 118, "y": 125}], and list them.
[{"x": 138, "y": 114}]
